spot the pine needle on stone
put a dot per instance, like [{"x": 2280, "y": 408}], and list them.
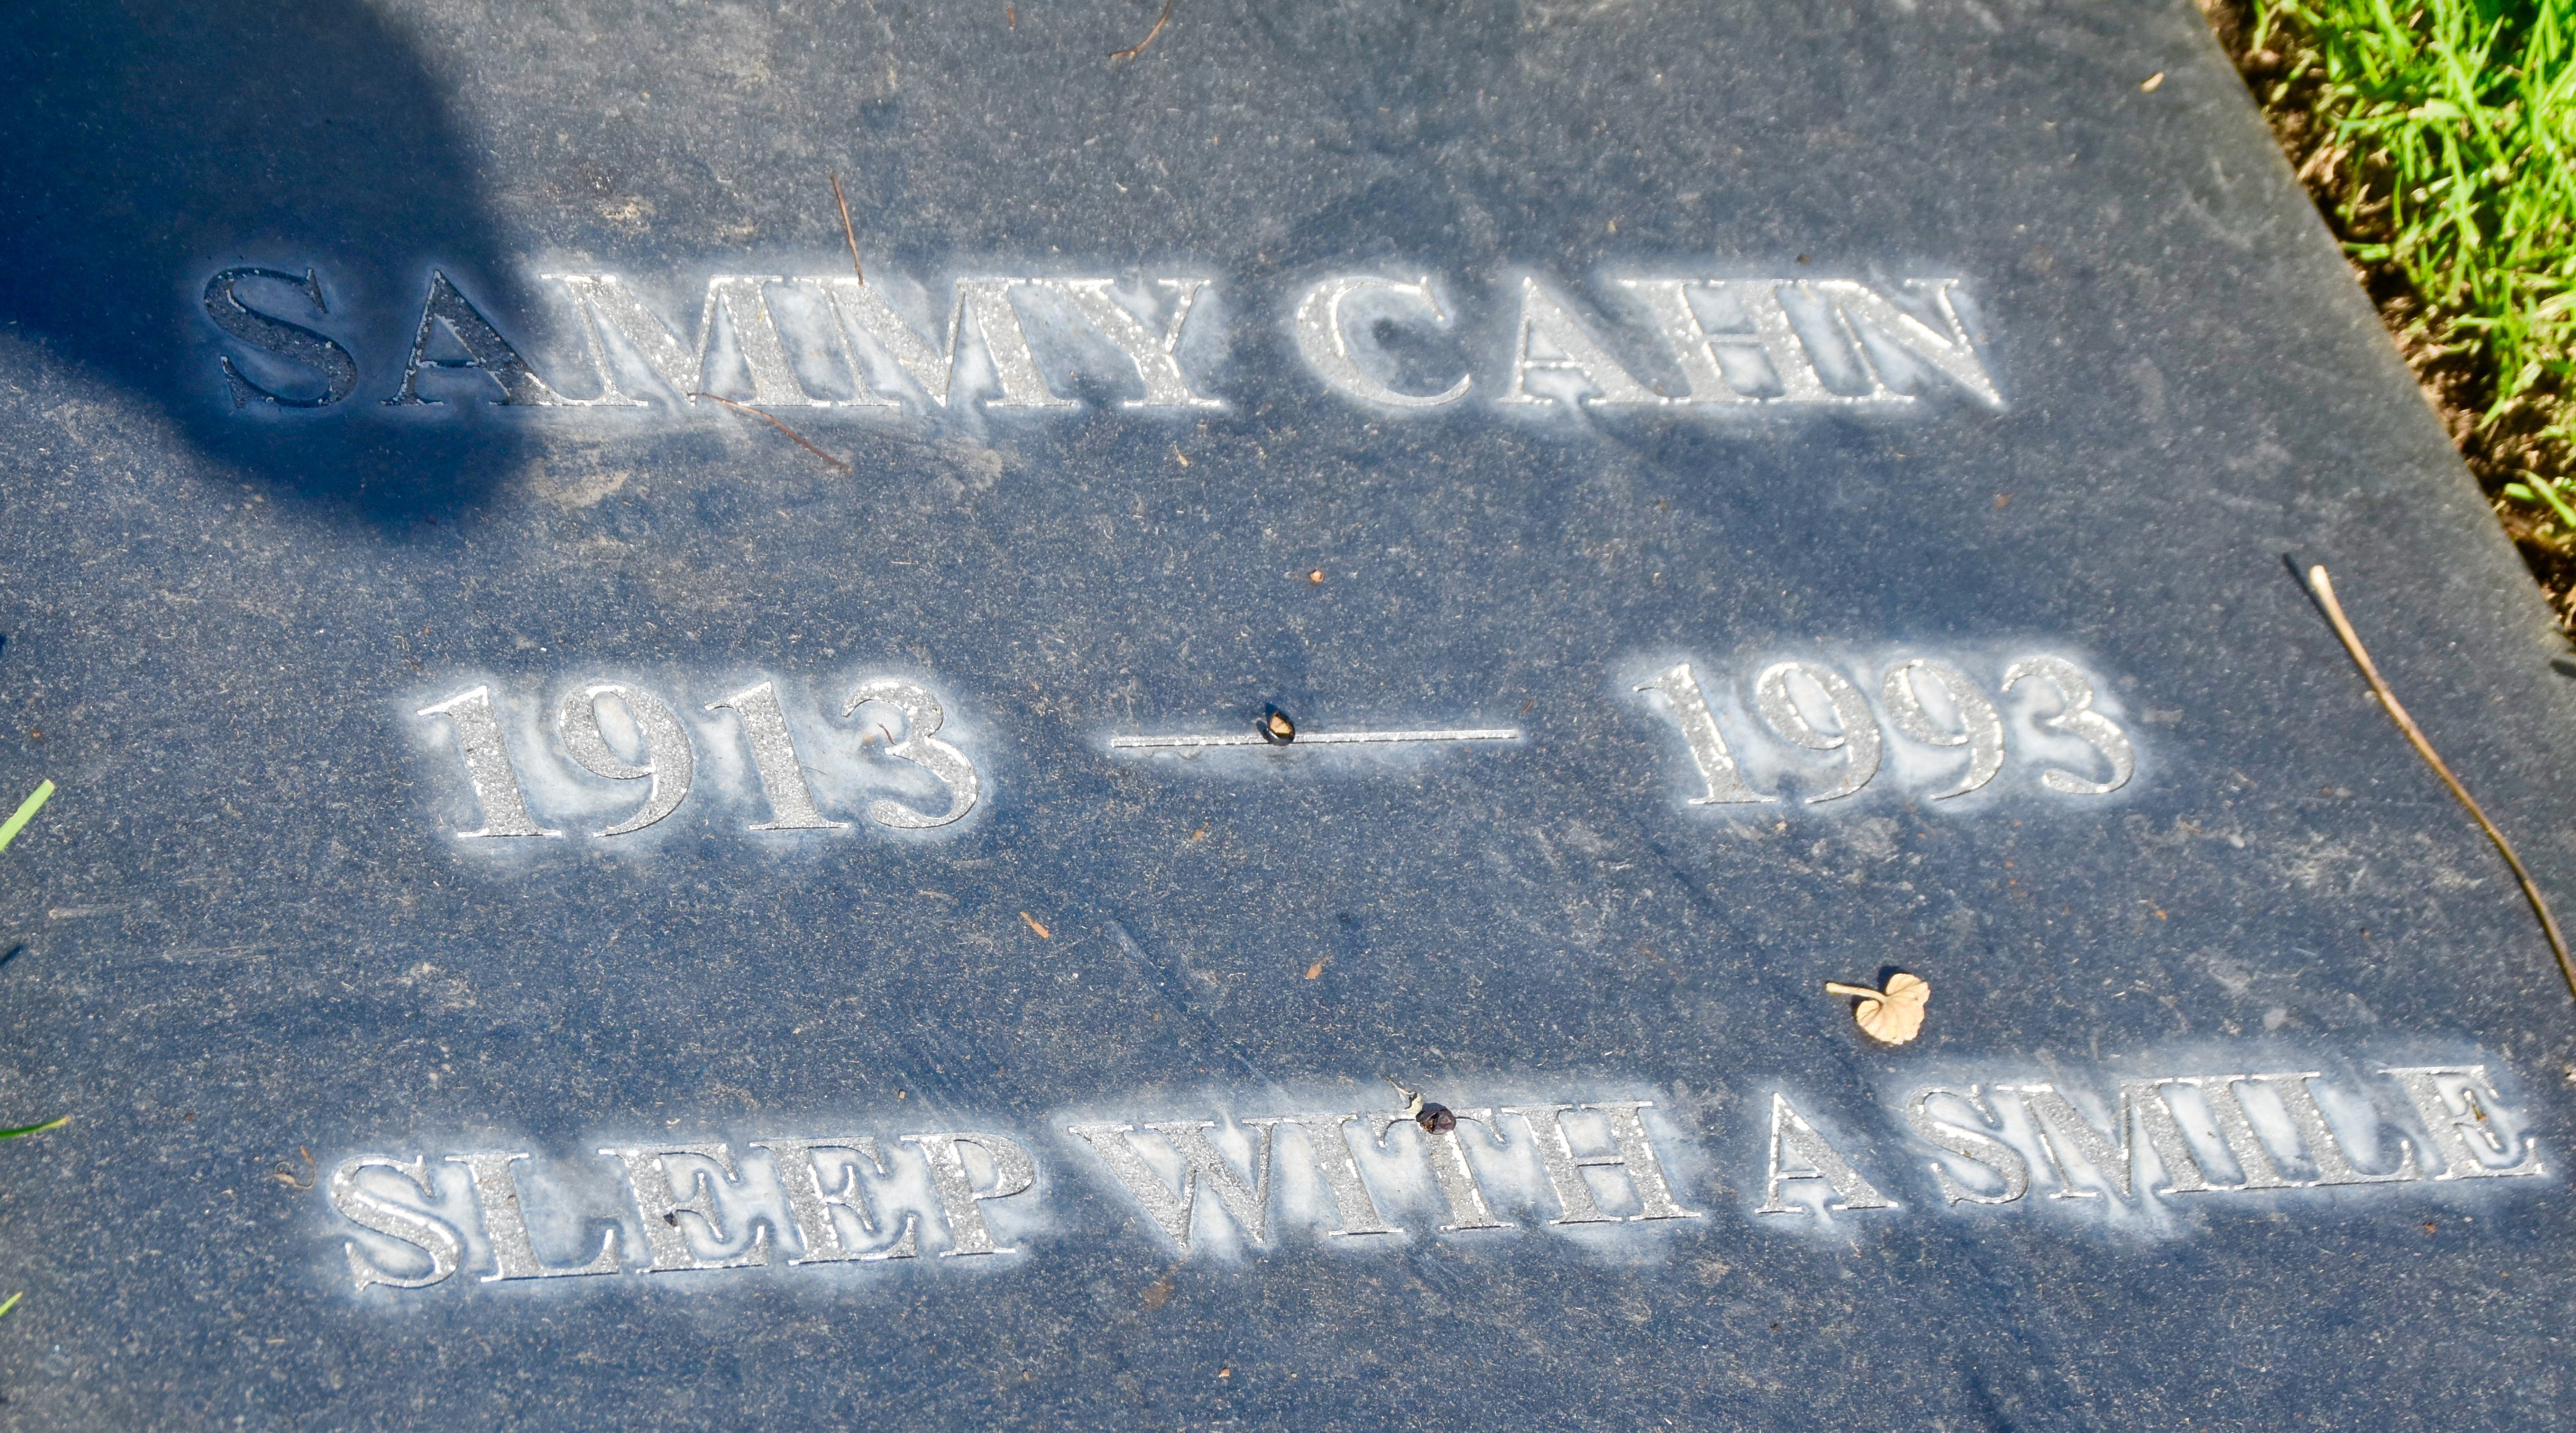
[
  {"x": 798, "y": 438},
  {"x": 1138, "y": 48},
  {"x": 850, "y": 231},
  {"x": 2323, "y": 589}
]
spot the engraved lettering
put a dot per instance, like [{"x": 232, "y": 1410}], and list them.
[
  {"x": 1329, "y": 1153},
  {"x": 597, "y": 296},
  {"x": 920, "y": 745},
  {"x": 379, "y": 1214},
  {"x": 986, "y": 302},
  {"x": 1635, "y": 1154},
  {"x": 2075, "y": 716},
  {"x": 1153, "y": 354},
  {"x": 671, "y": 763},
  {"x": 486, "y": 351},
  {"x": 1246, "y": 1203},
  {"x": 1449, "y": 1165},
  {"x": 742, "y": 300},
  {"x": 648, "y": 1179},
  {"x": 871, "y": 328},
  {"x": 505, "y": 1223},
  {"x": 801, "y": 1166},
  {"x": 1981, "y": 728},
  {"x": 960, "y": 1202},
  {"x": 1325, "y": 342},
  {"x": 1974, "y": 1144},
  {"x": 871, "y": 325},
  {"x": 1775, "y": 338},
  {"x": 1883, "y": 335},
  {"x": 2142, "y": 1103},
  {"x": 2063, "y": 1131},
  {"x": 2256, "y": 1168},
  {"x": 1881, "y": 329},
  {"x": 2144, "y": 1106},
  {"x": 2453, "y": 1101},
  {"x": 773, "y": 756},
  {"x": 2325, "y": 1151},
  {"x": 1792, "y": 1136},
  {"x": 1856, "y": 732},
  {"x": 1707, "y": 745},
  {"x": 1667, "y": 301},
  {"x": 1734, "y": 342},
  {"x": 286, "y": 342},
  {"x": 1549, "y": 338},
  {"x": 487, "y": 765},
  {"x": 2184, "y": 1173}
]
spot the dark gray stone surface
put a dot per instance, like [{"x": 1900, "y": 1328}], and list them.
[{"x": 249, "y": 945}]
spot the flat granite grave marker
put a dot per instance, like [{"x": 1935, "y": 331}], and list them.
[{"x": 1210, "y": 770}]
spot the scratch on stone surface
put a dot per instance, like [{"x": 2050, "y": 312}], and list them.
[{"x": 192, "y": 951}]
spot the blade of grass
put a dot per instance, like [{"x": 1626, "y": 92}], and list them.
[
  {"x": 2540, "y": 489},
  {"x": 55, "y": 1123},
  {"x": 27, "y": 810}
]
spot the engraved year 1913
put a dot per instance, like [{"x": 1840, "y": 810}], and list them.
[{"x": 903, "y": 724}]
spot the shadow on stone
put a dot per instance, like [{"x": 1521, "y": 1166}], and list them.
[{"x": 146, "y": 150}]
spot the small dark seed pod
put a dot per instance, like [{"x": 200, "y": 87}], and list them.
[
  {"x": 1277, "y": 727},
  {"x": 1436, "y": 1119}
]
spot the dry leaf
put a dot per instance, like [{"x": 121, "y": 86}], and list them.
[{"x": 1894, "y": 1015}]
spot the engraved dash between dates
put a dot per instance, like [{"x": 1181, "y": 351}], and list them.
[{"x": 1311, "y": 738}]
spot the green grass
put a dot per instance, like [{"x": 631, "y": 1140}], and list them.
[
  {"x": 26, "y": 812},
  {"x": 57, "y": 1123},
  {"x": 9, "y": 830},
  {"x": 2443, "y": 134}
]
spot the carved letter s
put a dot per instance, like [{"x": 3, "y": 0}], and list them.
[
  {"x": 275, "y": 336},
  {"x": 376, "y": 1213}
]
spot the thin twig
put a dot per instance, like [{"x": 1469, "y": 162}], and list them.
[
  {"x": 2323, "y": 587},
  {"x": 781, "y": 427},
  {"x": 1139, "y": 47},
  {"x": 847, "y": 231}
]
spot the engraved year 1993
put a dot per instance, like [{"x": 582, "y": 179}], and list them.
[{"x": 1814, "y": 707}]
